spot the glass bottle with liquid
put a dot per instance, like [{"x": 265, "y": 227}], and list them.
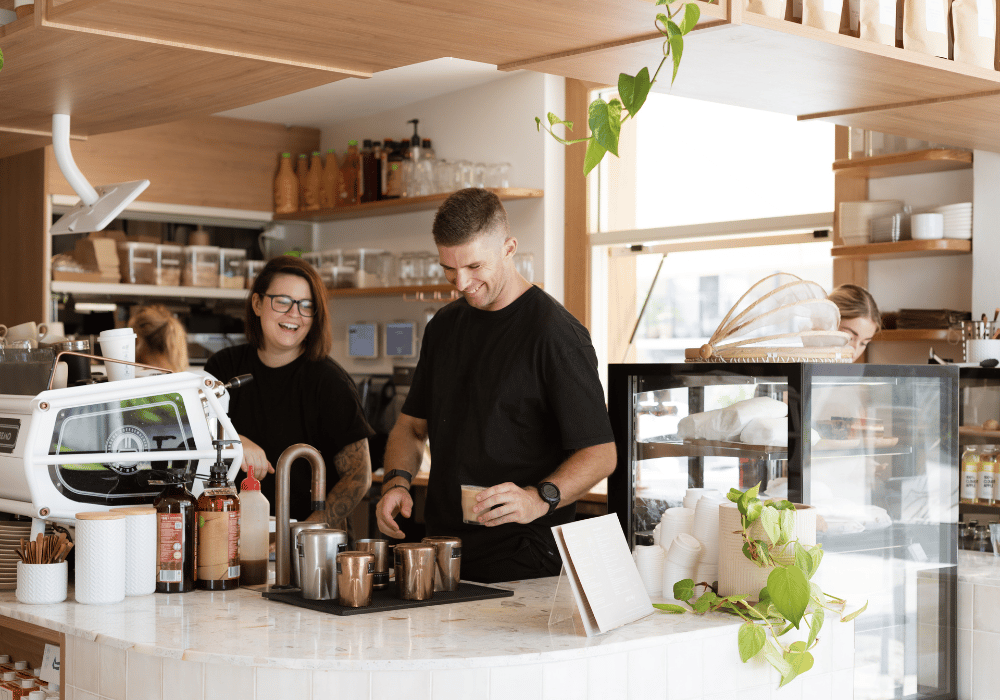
[
  {"x": 969, "y": 485},
  {"x": 987, "y": 476},
  {"x": 175, "y": 525},
  {"x": 217, "y": 528}
]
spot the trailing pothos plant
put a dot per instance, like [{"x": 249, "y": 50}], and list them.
[
  {"x": 790, "y": 597},
  {"x": 605, "y": 118}
]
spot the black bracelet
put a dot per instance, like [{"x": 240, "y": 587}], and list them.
[
  {"x": 393, "y": 473},
  {"x": 396, "y": 486}
]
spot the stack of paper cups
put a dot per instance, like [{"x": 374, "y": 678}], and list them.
[
  {"x": 681, "y": 562},
  {"x": 706, "y": 527},
  {"x": 140, "y": 549},
  {"x": 656, "y": 533},
  {"x": 118, "y": 344},
  {"x": 675, "y": 521},
  {"x": 692, "y": 496},
  {"x": 100, "y": 558},
  {"x": 649, "y": 561}
]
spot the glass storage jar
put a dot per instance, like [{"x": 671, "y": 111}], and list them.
[
  {"x": 231, "y": 265},
  {"x": 201, "y": 266}
]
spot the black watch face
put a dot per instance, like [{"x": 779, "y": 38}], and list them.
[{"x": 549, "y": 492}]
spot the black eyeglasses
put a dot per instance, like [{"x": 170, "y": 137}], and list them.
[{"x": 282, "y": 303}]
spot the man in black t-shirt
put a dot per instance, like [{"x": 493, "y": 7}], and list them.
[{"x": 507, "y": 391}]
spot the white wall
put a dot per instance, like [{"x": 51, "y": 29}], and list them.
[
  {"x": 939, "y": 282},
  {"x": 490, "y": 123}
]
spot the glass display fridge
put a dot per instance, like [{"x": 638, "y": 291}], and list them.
[
  {"x": 874, "y": 448},
  {"x": 978, "y": 432}
]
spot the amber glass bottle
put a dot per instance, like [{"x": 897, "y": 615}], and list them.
[
  {"x": 286, "y": 187},
  {"x": 217, "y": 524},
  {"x": 350, "y": 171},
  {"x": 302, "y": 173},
  {"x": 314, "y": 182},
  {"x": 175, "y": 509}
]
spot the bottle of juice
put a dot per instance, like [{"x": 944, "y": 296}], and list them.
[
  {"x": 313, "y": 182},
  {"x": 302, "y": 172},
  {"x": 350, "y": 171},
  {"x": 969, "y": 484},
  {"x": 370, "y": 177},
  {"x": 987, "y": 475}
]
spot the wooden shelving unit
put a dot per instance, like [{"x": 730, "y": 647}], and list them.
[
  {"x": 398, "y": 206},
  {"x": 428, "y": 292},
  {"x": 935, "y": 160},
  {"x": 99, "y": 290},
  {"x": 971, "y": 431},
  {"x": 903, "y": 335},
  {"x": 904, "y": 249}
]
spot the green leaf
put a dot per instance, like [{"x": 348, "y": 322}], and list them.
[
  {"x": 789, "y": 592},
  {"x": 781, "y": 504},
  {"x": 816, "y": 552},
  {"x": 799, "y": 659},
  {"x": 785, "y": 630},
  {"x": 803, "y": 560},
  {"x": 553, "y": 120},
  {"x": 734, "y": 495},
  {"x": 787, "y": 520},
  {"x": 676, "y": 48},
  {"x": 691, "y": 15},
  {"x": 776, "y": 659},
  {"x": 1, "y": 59},
  {"x": 750, "y": 550},
  {"x": 751, "y": 639},
  {"x": 684, "y": 589},
  {"x": 763, "y": 555},
  {"x": 605, "y": 119},
  {"x": 753, "y": 491},
  {"x": 815, "y": 624},
  {"x": 848, "y": 618},
  {"x": 634, "y": 90},
  {"x": 669, "y": 608},
  {"x": 769, "y": 521},
  {"x": 705, "y": 602},
  {"x": 764, "y": 596},
  {"x": 595, "y": 153},
  {"x": 662, "y": 19},
  {"x": 754, "y": 509},
  {"x": 672, "y": 31}
]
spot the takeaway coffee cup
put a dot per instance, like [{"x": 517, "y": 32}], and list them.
[{"x": 118, "y": 344}]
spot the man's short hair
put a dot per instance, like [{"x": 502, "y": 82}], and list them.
[{"x": 466, "y": 214}]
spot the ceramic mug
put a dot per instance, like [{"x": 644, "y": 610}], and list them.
[{"x": 29, "y": 331}]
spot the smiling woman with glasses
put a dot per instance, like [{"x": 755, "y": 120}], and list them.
[{"x": 299, "y": 394}]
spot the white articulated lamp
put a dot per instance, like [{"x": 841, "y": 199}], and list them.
[{"x": 97, "y": 207}]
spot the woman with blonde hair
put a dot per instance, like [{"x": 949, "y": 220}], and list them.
[
  {"x": 859, "y": 315},
  {"x": 161, "y": 340}
]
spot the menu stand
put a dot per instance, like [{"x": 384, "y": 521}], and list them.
[
  {"x": 601, "y": 575},
  {"x": 563, "y": 606}
]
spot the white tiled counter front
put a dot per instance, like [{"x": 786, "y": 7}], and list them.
[
  {"x": 978, "y": 626},
  {"x": 238, "y": 645}
]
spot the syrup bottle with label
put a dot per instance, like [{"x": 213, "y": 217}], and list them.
[
  {"x": 217, "y": 528},
  {"x": 175, "y": 509}
]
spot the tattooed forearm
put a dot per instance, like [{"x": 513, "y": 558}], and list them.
[{"x": 354, "y": 466}]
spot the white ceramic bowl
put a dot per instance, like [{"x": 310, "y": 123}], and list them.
[{"x": 927, "y": 227}]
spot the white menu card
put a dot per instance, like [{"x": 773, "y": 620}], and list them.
[{"x": 602, "y": 573}]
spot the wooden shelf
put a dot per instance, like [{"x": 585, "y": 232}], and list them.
[
  {"x": 909, "y": 163},
  {"x": 98, "y": 290},
  {"x": 398, "y": 206},
  {"x": 903, "y": 335},
  {"x": 438, "y": 292},
  {"x": 904, "y": 249},
  {"x": 993, "y": 436}
]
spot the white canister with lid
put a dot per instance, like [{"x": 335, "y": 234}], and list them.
[
  {"x": 100, "y": 557},
  {"x": 140, "y": 549}
]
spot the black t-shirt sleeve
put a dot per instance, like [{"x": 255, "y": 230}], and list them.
[
  {"x": 338, "y": 408},
  {"x": 221, "y": 365},
  {"x": 574, "y": 388}
]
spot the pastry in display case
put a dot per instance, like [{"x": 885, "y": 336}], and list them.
[{"x": 873, "y": 448}]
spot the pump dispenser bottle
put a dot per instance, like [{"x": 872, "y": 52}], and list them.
[{"x": 217, "y": 524}]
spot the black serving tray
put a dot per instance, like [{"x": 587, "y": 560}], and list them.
[{"x": 387, "y": 599}]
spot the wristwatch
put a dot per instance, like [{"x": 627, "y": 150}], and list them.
[{"x": 549, "y": 493}]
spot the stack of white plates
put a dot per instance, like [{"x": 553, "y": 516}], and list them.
[
  {"x": 681, "y": 562},
  {"x": 675, "y": 521},
  {"x": 649, "y": 562},
  {"x": 957, "y": 220},
  {"x": 11, "y": 533}
]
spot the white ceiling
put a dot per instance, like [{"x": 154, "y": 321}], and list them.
[{"x": 355, "y": 97}]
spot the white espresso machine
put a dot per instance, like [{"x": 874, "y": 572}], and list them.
[{"x": 98, "y": 446}]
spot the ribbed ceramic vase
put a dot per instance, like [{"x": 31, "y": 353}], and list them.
[{"x": 737, "y": 574}]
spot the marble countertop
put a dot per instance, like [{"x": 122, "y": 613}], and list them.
[
  {"x": 978, "y": 567},
  {"x": 242, "y": 628}
]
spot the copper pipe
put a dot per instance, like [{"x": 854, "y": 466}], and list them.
[
  {"x": 282, "y": 472},
  {"x": 102, "y": 359}
]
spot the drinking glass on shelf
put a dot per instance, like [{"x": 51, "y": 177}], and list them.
[
  {"x": 407, "y": 178},
  {"x": 433, "y": 272},
  {"x": 492, "y": 177},
  {"x": 478, "y": 175},
  {"x": 424, "y": 177},
  {"x": 463, "y": 177},
  {"x": 444, "y": 176},
  {"x": 504, "y": 175}
]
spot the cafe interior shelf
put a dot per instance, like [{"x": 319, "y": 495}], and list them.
[
  {"x": 100, "y": 290},
  {"x": 934, "y": 160},
  {"x": 904, "y": 249},
  {"x": 398, "y": 206},
  {"x": 901, "y": 335},
  {"x": 973, "y": 431},
  {"x": 721, "y": 448}
]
